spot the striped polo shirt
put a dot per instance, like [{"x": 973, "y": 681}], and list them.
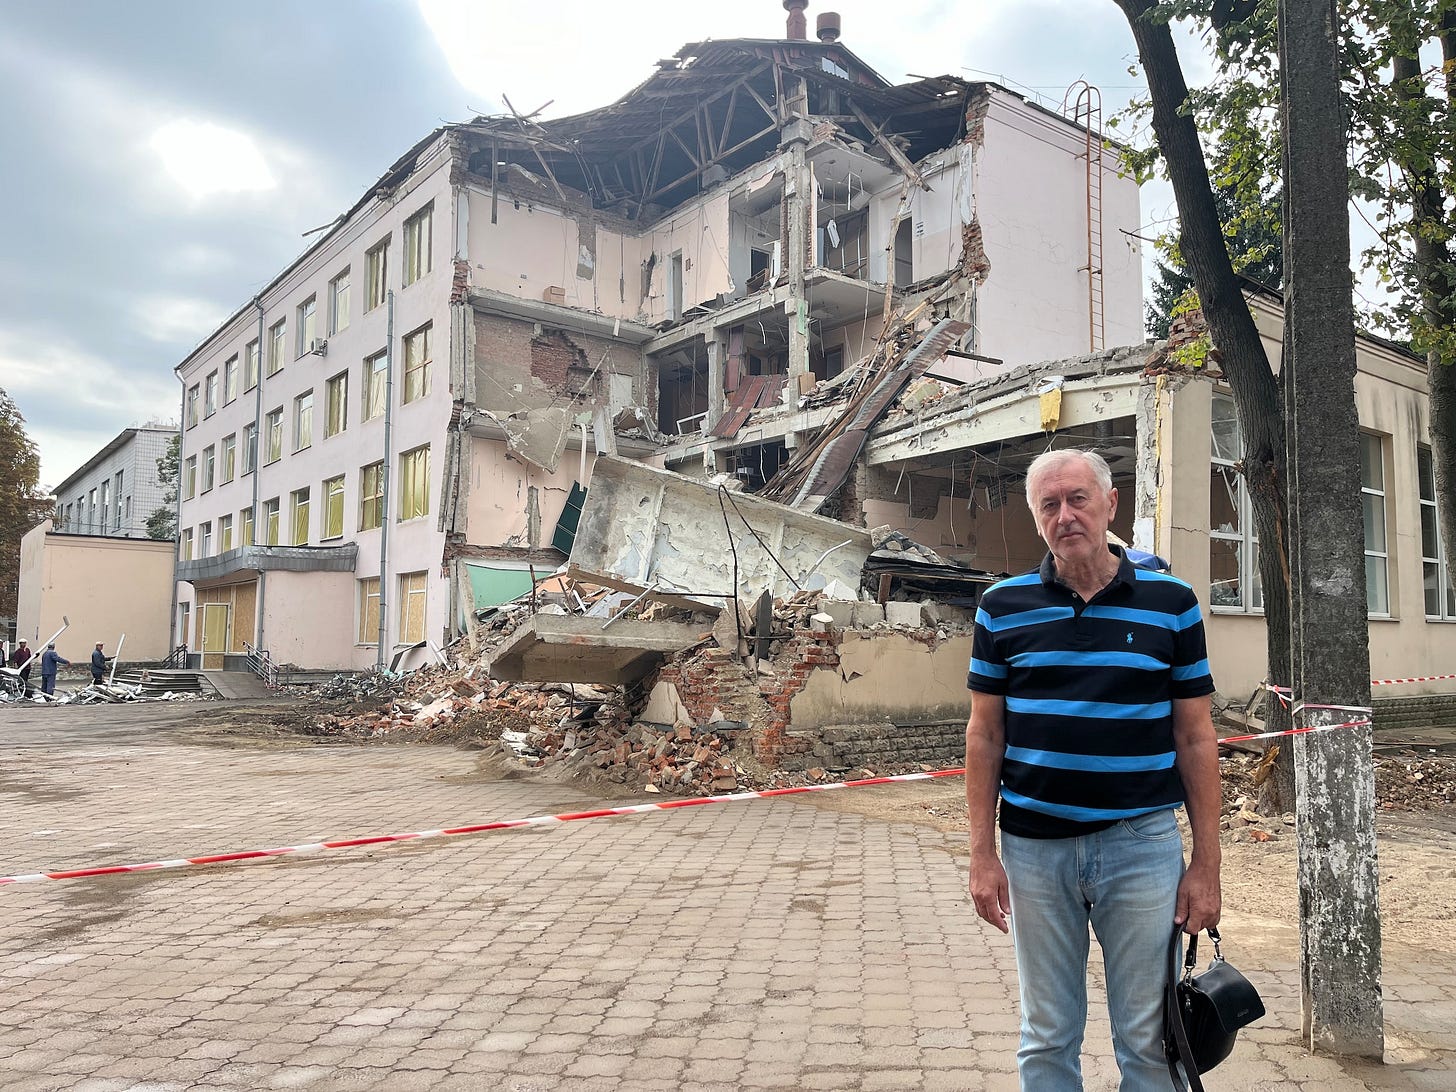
[{"x": 1089, "y": 691}]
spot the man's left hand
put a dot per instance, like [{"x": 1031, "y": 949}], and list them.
[{"x": 1200, "y": 902}]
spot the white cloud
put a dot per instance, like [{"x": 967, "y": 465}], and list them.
[
  {"x": 205, "y": 158},
  {"x": 177, "y": 319}
]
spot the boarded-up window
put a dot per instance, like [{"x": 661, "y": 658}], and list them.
[
  {"x": 369, "y": 611},
  {"x": 411, "y": 608}
]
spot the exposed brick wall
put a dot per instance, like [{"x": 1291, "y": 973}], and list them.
[
  {"x": 522, "y": 365},
  {"x": 460, "y": 284},
  {"x": 553, "y": 356}
]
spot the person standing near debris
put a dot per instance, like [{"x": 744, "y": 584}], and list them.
[
  {"x": 20, "y": 660},
  {"x": 99, "y": 660},
  {"x": 50, "y": 660},
  {"x": 1090, "y": 718}
]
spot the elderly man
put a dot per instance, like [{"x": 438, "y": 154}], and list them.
[{"x": 1090, "y": 718}]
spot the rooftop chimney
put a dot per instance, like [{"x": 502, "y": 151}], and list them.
[
  {"x": 827, "y": 27},
  {"x": 798, "y": 26}
]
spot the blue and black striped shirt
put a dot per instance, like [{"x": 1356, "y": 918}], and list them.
[{"x": 1089, "y": 691}]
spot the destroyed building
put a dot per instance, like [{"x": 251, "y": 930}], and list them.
[
  {"x": 871, "y": 303},
  {"x": 399, "y": 427}
]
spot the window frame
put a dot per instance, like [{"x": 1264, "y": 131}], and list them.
[
  {"x": 413, "y": 463},
  {"x": 307, "y": 328},
  {"x": 250, "y": 448},
  {"x": 252, "y": 365},
  {"x": 189, "y": 409},
  {"x": 413, "y": 587},
  {"x": 230, "y": 380},
  {"x": 299, "y": 501},
  {"x": 303, "y": 421},
  {"x": 1245, "y": 539},
  {"x": 418, "y": 245},
  {"x": 271, "y": 517},
  {"x": 416, "y": 371},
  {"x": 376, "y": 372},
  {"x": 1382, "y": 492},
  {"x": 376, "y": 274},
  {"x": 277, "y": 346},
  {"x": 375, "y": 472},
  {"x": 339, "y": 281},
  {"x": 369, "y": 634},
  {"x": 331, "y": 492},
  {"x": 336, "y": 404},
  {"x": 189, "y": 478},
  {"x": 1431, "y": 536},
  {"x": 184, "y": 544},
  {"x": 209, "y": 394},
  {"x": 273, "y": 436},
  {"x": 204, "y": 539},
  {"x": 209, "y": 468},
  {"x": 247, "y": 526},
  {"x": 227, "y": 458},
  {"x": 224, "y": 533}
]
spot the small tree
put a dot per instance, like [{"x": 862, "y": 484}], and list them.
[
  {"x": 162, "y": 523},
  {"x": 22, "y": 506}
]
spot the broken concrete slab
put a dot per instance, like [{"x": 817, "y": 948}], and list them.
[
  {"x": 642, "y": 526},
  {"x": 572, "y": 649},
  {"x": 867, "y": 614},
  {"x": 904, "y": 614}
]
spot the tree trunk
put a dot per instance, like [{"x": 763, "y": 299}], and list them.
[
  {"x": 1335, "y": 798},
  {"x": 1244, "y": 361}
]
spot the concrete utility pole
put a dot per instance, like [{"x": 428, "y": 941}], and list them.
[
  {"x": 794, "y": 137},
  {"x": 1335, "y": 797}
]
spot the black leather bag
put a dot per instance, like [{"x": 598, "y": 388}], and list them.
[{"x": 1202, "y": 1013}]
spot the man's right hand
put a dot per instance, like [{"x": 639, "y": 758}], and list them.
[{"x": 989, "y": 891}]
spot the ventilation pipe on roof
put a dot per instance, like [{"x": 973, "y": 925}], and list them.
[
  {"x": 827, "y": 27},
  {"x": 798, "y": 25}
]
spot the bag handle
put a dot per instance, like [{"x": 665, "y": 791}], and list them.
[{"x": 1174, "y": 1010}]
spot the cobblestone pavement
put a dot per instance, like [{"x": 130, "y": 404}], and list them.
[{"x": 770, "y": 944}]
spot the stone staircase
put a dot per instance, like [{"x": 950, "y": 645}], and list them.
[
  {"x": 238, "y": 685},
  {"x": 156, "y": 681}
]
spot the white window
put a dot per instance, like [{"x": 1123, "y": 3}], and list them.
[
  {"x": 209, "y": 396},
  {"x": 204, "y": 539},
  {"x": 307, "y": 329},
  {"x": 209, "y": 467},
  {"x": 187, "y": 544},
  {"x": 224, "y": 534},
  {"x": 300, "y": 517},
  {"x": 116, "y": 508},
  {"x": 333, "y": 514},
  {"x": 1435, "y": 567},
  {"x": 250, "y": 448},
  {"x": 270, "y": 522},
  {"x": 371, "y": 496},
  {"x": 190, "y": 410},
  {"x": 277, "y": 339},
  {"x": 229, "y": 459},
  {"x": 303, "y": 421},
  {"x": 414, "y": 484},
  {"x": 105, "y": 504},
  {"x": 417, "y": 364},
  {"x": 338, "y": 405},
  {"x": 339, "y": 302},
  {"x": 1233, "y": 546},
  {"x": 250, "y": 367},
  {"x": 1372, "y": 502},
  {"x": 189, "y": 478},
  {"x": 245, "y": 527},
  {"x": 230, "y": 380},
  {"x": 273, "y": 438},
  {"x": 377, "y": 270},
  {"x": 417, "y": 235},
  {"x": 376, "y": 368}
]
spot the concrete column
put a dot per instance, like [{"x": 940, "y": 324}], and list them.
[
  {"x": 717, "y": 360},
  {"x": 798, "y": 206}
]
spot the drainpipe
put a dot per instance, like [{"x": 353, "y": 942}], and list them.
[
  {"x": 257, "y": 472},
  {"x": 177, "y": 536},
  {"x": 380, "y": 657}
]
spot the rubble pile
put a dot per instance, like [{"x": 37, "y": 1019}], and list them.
[
  {"x": 99, "y": 694},
  {"x": 686, "y": 761}
]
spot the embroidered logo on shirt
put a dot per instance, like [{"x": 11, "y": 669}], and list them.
[{"x": 1129, "y": 637}]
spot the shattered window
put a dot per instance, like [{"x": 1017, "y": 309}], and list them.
[
  {"x": 229, "y": 458},
  {"x": 299, "y": 507},
  {"x": 417, "y": 235},
  {"x": 1234, "y": 583},
  {"x": 1436, "y": 579},
  {"x": 338, "y": 405},
  {"x": 1372, "y": 502},
  {"x": 377, "y": 272},
  {"x": 376, "y": 368},
  {"x": 417, "y": 364},
  {"x": 230, "y": 380},
  {"x": 369, "y": 611},
  {"x": 411, "y": 608},
  {"x": 273, "y": 436},
  {"x": 371, "y": 496},
  {"x": 339, "y": 302},
  {"x": 414, "y": 484},
  {"x": 333, "y": 508}
]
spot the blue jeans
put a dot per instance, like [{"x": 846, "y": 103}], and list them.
[{"x": 1124, "y": 881}]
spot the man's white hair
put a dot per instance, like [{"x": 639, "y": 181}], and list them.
[{"x": 1052, "y": 460}]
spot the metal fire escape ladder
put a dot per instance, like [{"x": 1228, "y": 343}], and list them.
[{"x": 1087, "y": 115}]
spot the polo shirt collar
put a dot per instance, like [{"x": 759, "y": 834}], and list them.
[{"x": 1126, "y": 571}]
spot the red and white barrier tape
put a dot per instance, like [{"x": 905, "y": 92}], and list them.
[
  {"x": 1419, "y": 678},
  {"x": 476, "y": 828},
  {"x": 1294, "y": 731}
]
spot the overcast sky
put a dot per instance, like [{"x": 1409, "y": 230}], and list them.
[{"x": 162, "y": 159}]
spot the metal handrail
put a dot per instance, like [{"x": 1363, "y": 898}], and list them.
[
  {"x": 176, "y": 659},
  {"x": 261, "y": 663}
]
